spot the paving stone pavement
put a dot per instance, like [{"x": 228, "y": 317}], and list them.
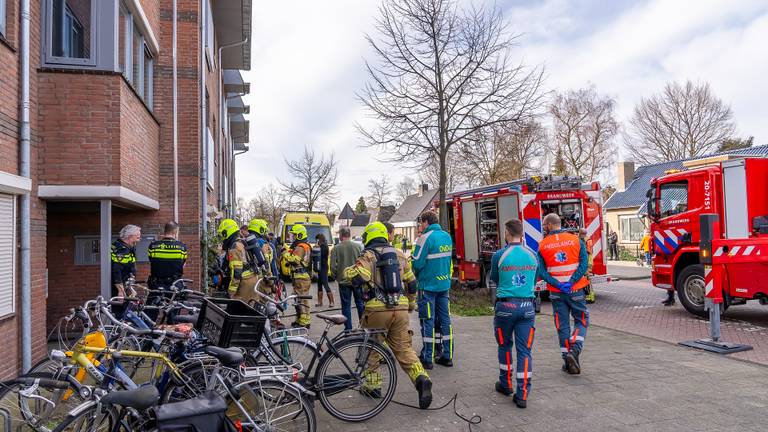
[{"x": 628, "y": 383}]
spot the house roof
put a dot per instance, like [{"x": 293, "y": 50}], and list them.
[
  {"x": 413, "y": 207},
  {"x": 347, "y": 212},
  {"x": 385, "y": 213},
  {"x": 634, "y": 195},
  {"x": 360, "y": 220}
]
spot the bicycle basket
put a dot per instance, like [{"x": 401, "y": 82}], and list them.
[
  {"x": 206, "y": 413},
  {"x": 228, "y": 323}
]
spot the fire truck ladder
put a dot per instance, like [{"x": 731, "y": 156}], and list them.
[{"x": 714, "y": 254}]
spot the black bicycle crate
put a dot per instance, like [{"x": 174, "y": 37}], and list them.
[{"x": 228, "y": 323}]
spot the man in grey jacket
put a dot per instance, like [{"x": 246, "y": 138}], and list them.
[{"x": 344, "y": 255}]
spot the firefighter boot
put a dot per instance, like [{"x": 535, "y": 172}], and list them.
[
  {"x": 444, "y": 362},
  {"x": 572, "y": 363},
  {"x": 520, "y": 403},
  {"x": 424, "y": 387},
  {"x": 500, "y": 389},
  {"x": 670, "y": 298}
]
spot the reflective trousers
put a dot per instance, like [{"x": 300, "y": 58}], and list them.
[
  {"x": 398, "y": 338},
  {"x": 513, "y": 326},
  {"x": 435, "y": 305},
  {"x": 301, "y": 287},
  {"x": 564, "y": 307}
]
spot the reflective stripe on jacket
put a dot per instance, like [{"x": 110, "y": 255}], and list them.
[
  {"x": 561, "y": 253},
  {"x": 433, "y": 259}
]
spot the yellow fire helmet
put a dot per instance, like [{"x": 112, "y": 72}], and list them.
[
  {"x": 374, "y": 231},
  {"x": 227, "y": 227},
  {"x": 259, "y": 226},
  {"x": 299, "y": 231}
]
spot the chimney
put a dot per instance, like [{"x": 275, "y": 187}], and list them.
[
  {"x": 423, "y": 188},
  {"x": 625, "y": 172}
]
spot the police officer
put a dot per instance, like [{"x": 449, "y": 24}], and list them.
[
  {"x": 242, "y": 275},
  {"x": 381, "y": 271},
  {"x": 563, "y": 266},
  {"x": 260, "y": 251},
  {"x": 432, "y": 263},
  {"x": 167, "y": 258},
  {"x": 124, "y": 258},
  {"x": 298, "y": 257},
  {"x": 514, "y": 269}
]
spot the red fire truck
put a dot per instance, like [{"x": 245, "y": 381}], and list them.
[
  {"x": 478, "y": 215},
  {"x": 730, "y": 186}
]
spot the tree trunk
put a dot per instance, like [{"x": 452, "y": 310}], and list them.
[{"x": 443, "y": 207}]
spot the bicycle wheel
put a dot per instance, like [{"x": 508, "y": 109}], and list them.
[
  {"x": 358, "y": 381},
  {"x": 195, "y": 380},
  {"x": 88, "y": 418},
  {"x": 291, "y": 351},
  {"x": 271, "y": 405},
  {"x": 33, "y": 402}
]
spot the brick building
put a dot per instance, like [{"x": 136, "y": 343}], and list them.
[{"x": 134, "y": 117}]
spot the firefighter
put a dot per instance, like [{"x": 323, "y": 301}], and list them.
[
  {"x": 167, "y": 258},
  {"x": 563, "y": 266},
  {"x": 242, "y": 274},
  {"x": 589, "y": 290},
  {"x": 298, "y": 256},
  {"x": 260, "y": 252},
  {"x": 514, "y": 270},
  {"x": 123, "y": 257},
  {"x": 432, "y": 263},
  {"x": 381, "y": 271}
]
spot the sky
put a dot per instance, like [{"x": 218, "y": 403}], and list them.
[{"x": 307, "y": 65}]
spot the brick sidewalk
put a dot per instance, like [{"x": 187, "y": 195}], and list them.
[
  {"x": 629, "y": 383},
  {"x": 635, "y": 307}
]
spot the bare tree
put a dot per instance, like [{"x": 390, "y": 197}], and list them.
[
  {"x": 584, "y": 129},
  {"x": 405, "y": 188},
  {"x": 379, "y": 189},
  {"x": 429, "y": 173},
  {"x": 314, "y": 179},
  {"x": 681, "y": 122},
  {"x": 503, "y": 153},
  {"x": 442, "y": 74},
  {"x": 270, "y": 204}
]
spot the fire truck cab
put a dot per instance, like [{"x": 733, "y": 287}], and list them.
[
  {"x": 730, "y": 186},
  {"x": 478, "y": 216}
]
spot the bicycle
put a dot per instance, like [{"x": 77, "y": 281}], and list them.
[{"x": 355, "y": 375}]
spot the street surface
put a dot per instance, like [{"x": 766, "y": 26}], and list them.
[{"x": 635, "y": 377}]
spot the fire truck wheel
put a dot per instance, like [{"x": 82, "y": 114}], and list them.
[{"x": 691, "y": 290}]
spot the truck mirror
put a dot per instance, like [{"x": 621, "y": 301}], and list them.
[{"x": 707, "y": 234}]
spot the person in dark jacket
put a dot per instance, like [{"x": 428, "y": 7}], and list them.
[
  {"x": 322, "y": 274},
  {"x": 123, "y": 256}
]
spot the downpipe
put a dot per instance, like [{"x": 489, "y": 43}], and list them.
[{"x": 26, "y": 272}]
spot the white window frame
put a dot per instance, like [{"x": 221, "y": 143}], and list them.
[
  {"x": 144, "y": 87},
  {"x": 14, "y": 257},
  {"x": 52, "y": 59},
  {"x": 629, "y": 219}
]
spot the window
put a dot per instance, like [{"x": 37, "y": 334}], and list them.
[
  {"x": 673, "y": 199},
  {"x": 631, "y": 228},
  {"x": 7, "y": 253},
  {"x": 136, "y": 61},
  {"x": 70, "y": 29},
  {"x": 2, "y": 17},
  {"x": 209, "y": 34}
]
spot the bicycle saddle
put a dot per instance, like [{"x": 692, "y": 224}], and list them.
[
  {"x": 141, "y": 398},
  {"x": 230, "y": 357},
  {"x": 336, "y": 319}
]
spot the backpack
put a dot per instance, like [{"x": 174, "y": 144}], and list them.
[{"x": 388, "y": 267}]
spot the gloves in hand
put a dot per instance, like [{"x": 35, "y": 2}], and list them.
[{"x": 565, "y": 287}]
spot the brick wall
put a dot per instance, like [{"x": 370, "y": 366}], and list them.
[
  {"x": 80, "y": 128},
  {"x": 10, "y": 358},
  {"x": 139, "y": 142}
]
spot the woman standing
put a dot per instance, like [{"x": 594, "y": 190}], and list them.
[{"x": 322, "y": 274}]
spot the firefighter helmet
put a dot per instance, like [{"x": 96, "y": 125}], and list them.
[
  {"x": 299, "y": 231},
  {"x": 374, "y": 231},
  {"x": 227, "y": 227},
  {"x": 259, "y": 226}
]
